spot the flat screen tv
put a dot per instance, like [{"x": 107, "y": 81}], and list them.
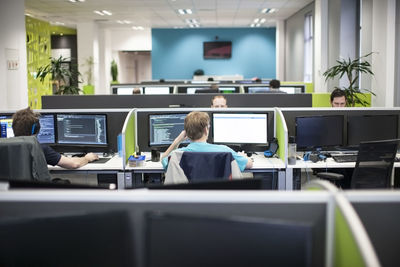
[{"x": 217, "y": 50}]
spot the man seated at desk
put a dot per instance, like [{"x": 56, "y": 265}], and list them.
[
  {"x": 196, "y": 128},
  {"x": 26, "y": 123},
  {"x": 338, "y": 98},
  {"x": 219, "y": 101}
]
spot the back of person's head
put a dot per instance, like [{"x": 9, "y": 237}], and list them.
[
  {"x": 275, "y": 84},
  {"x": 219, "y": 101},
  {"x": 162, "y": 80},
  {"x": 195, "y": 123},
  {"x": 337, "y": 93},
  {"x": 25, "y": 122},
  {"x": 210, "y": 79},
  {"x": 136, "y": 91},
  {"x": 214, "y": 86}
]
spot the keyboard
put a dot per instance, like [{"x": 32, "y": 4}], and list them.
[
  {"x": 100, "y": 160},
  {"x": 345, "y": 158}
]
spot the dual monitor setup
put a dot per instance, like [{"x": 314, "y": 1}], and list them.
[
  {"x": 147, "y": 90},
  {"x": 234, "y": 129},
  {"x": 331, "y": 132},
  {"x": 66, "y": 129}
]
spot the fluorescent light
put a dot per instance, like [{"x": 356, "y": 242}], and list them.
[
  {"x": 189, "y": 11},
  {"x": 98, "y": 12},
  {"x": 181, "y": 11},
  {"x": 258, "y": 25},
  {"x": 107, "y": 12},
  {"x": 252, "y": 25},
  {"x": 268, "y": 10},
  {"x": 262, "y": 20},
  {"x": 185, "y": 11},
  {"x": 137, "y": 28},
  {"x": 127, "y": 22},
  {"x": 256, "y": 20}
]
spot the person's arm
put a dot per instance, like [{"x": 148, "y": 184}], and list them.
[
  {"x": 76, "y": 162},
  {"x": 174, "y": 145},
  {"x": 249, "y": 163}
]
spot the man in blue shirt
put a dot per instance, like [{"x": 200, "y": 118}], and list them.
[{"x": 196, "y": 128}]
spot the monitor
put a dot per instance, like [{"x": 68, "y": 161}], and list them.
[
  {"x": 257, "y": 89},
  {"x": 164, "y": 128},
  {"x": 127, "y": 90},
  {"x": 159, "y": 90},
  {"x": 203, "y": 240},
  {"x": 319, "y": 131},
  {"x": 240, "y": 128},
  {"x": 47, "y": 129},
  {"x": 82, "y": 129},
  {"x": 6, "y": 130},
  {"x": 371, "y": 128},
  {"x": 192, "y": 90},
  {"x": 217, "y": 50},
  {"x": 288, "y": 90},
  {"x": 228, "y": 89}
]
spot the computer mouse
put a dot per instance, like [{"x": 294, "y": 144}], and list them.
[{"x": 249, "y": 154}]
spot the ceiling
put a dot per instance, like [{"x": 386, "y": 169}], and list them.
[{"x": 163, "y": 13}]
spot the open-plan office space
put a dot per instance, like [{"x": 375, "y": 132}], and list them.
[{"x": 118, "y": 212}]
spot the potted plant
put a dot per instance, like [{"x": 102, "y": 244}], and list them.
[
  {"x": 352, "y": 69},
  {"x": 114, "y": 71},
  {"x": 64, "y": 81},
  {"x": 88, "y": 89}
]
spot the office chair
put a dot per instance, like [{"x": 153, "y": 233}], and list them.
[
  {"x": 184, "y": 167},
  {"x": 22, "y": 158},
  {"x": 373, "y": 166}
]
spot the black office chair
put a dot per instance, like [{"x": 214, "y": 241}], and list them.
[
  {"x": 373, "y": 168},
  {"x": 184, "y": 167},
  {"x": 22, "y": 158}
]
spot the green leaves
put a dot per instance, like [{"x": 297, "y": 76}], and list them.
[{"x": 352, "y": 69}]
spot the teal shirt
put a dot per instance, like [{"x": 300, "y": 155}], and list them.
[{"x": 206, "y": 147}]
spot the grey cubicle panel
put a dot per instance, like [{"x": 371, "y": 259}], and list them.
[
  {"x": 297, "y": 207},
  {"x": 290, "y": 114},
  {"x": 173, "y": 100},
  {"x": 142, "y": 122},
  {"x": 115, "y": 121},
  {"x": 379, "y": 213}
]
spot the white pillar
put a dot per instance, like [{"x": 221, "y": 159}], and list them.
[
  {"x": 280, "y": 50},
  {"x": 383, "y": 43},
  {"x": 13, "y": 70},
  {"x": 88, "y": 46},
  {"x": 320, "y": 44}
]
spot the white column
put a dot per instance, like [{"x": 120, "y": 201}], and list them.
[
  {"x": 383, "y": 43},
  {"x": 88, "y": 46},
  {"x": 320, "y": 44},
  {"x": 105, "y": 59},
  {"x": 13, "y": 70},
  {"x": 280, "y": 50}
]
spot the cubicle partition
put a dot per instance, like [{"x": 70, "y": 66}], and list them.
[
  {"x": 148, "y": 89},
  {"x": 296, "y": 216},
  {"x": 379, "y": 213},
  {"x": 173, "y": 100}
]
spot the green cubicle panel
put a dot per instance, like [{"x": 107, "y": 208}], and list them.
[
  {"x": 282, "y": 135},
  {"x": 128, "y": 137},
  {"x": 323, "y": 99},
  {"x": 38, "y": 49}
]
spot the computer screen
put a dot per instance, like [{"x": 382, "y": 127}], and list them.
[
  {"x": 47, "y": 129},
  {"x": 159, "y": 90},
  {"x": 195, "y": 240},
  {"x": 192, "y": 90},
  {"x": 288, "y": 90},
  {"x": 257, "y": 89},
  {"x": 319, "y": 131},
  {"x": 6, "y": 130},
  {"x": 371, "y": 128},
  {"x": 127, "y": 90},
  {"x": 82, "y": 129},
  {"x": 240, "y": 128},
  {"x": 228, "y": 89},
  {"x": 164, "y": 128}
]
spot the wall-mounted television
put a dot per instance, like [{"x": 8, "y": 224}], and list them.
[{"x": 217, "y": 50}]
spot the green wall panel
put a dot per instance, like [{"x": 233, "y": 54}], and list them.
[{"x": 38, "y": 52}]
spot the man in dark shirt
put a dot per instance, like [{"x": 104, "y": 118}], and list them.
[{"x": 26, "y": 123}]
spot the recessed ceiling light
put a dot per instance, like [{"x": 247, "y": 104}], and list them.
[
  {"x": 185, "y": 11},
  {"x": 107, "y": 12},
  {"x": 262, "y": 20},
  {"x": 256, "y": 20},
  {"x": 98, "y": 12}
]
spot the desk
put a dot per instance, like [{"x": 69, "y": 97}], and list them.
[
  {"x": 261, "y": 164},
  {"x": 113, "y": 166}
]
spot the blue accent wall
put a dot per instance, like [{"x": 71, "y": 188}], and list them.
[{"x": 177, "y": 53}]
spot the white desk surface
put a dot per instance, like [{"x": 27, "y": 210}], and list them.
[
  {"x": 115, "y": 163},
  {"x": 259, "y": 163},
  {"x": 329, "y": 163}
]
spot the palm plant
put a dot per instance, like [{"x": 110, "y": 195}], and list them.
[
  {"x": 352, "y": 69},
  {"x": 114, "y": 71},
  {"x": 64, "y": 80}
]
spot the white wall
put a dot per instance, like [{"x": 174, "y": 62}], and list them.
[{"x": 13, "y": 83}]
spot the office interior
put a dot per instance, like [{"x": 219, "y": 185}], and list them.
[{"x": 332, "y": 226}]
